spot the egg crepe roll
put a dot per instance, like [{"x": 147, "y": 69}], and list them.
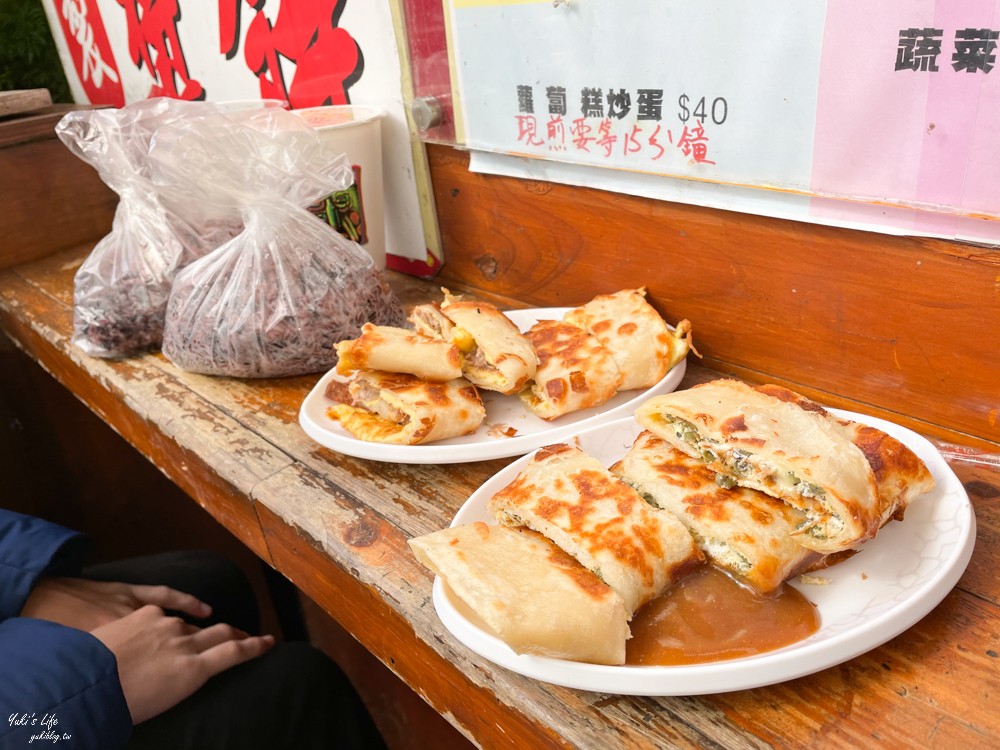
[
  {"x": 773, "y": 440},
  {"x": 430, "y": 321},
  {"x": 574, "y": 372},
  {"x": 399, "y": 350},
  {"x": 572, "y": 499},
  {"x": 402, "y": 409},
  {"x": 748, "y": 533},
  {"x": 532, "y": 595},
  {"x": 496, "y": 356},
  {"x": 642, "y": 344}
]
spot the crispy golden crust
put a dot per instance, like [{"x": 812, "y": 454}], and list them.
[
  {"x": 496, "y": 356},
  {"x": 846, "y": 478},
  {"x": 570, "y": 497},
  {"x": 575, "y": 371},
  {"x": 399, "y": 350},
  {"x": 534, "y": 596},
  {"x": 401, "y": 409},
  {"x": 900, "y": 475},
  {"x": 640, "y": 341},
  {"x": 748, "y": 533}
]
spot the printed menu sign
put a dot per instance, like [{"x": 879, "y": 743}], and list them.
[{"x": 877, "y": 114}]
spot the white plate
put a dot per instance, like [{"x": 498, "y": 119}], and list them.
[
  {"x": 894, "y": 581},
  {"x": 501, "y": 411}
]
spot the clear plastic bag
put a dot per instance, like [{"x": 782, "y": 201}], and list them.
[
  {"x": 274, "y": 300},
  {"x": 120, "y": 291}
]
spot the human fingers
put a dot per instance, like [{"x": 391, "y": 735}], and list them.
[
  {"x": 206, "y": 638},
  {"x": 230, "y": 653},
  {"x": 168, "y": 598}
]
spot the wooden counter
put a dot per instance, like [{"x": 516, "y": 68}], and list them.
[{"x": 337, "y": 527}]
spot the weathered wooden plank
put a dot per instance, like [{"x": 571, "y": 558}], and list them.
[
  {"x": 390, "y": 636},
  {"x": 337, "y": 527},
  {"x": 905, "y": 694},
  {"x": 23, "y": 100}
]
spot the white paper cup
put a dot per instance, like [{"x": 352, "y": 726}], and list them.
[{"x": 358, "y": 213}]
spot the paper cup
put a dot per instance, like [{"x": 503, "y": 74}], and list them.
[{"x": 358, "y": 213}]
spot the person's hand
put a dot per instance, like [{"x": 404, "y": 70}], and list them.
[
  {"x": 162, "y": 660},
  {"x": 87, "y": 605}
]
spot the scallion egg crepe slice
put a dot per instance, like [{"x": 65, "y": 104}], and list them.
[
  {"x": 572, "y": 499},
  {"x": 773, "y": 440},
  {"x": 748, "y": 533}
]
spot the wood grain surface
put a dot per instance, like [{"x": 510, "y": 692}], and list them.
[
  {"x": 338, "y": 526},
  {"x": 52, "y": 201},
  {"x": 23, "y": 100}
]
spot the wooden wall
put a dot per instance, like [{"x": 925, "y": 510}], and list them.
[
  {"x": 901, "y": 327},
  {"x": 51, "y": 200}
]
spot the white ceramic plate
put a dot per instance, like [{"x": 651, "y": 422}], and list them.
[
  {"x": 873, "y": 596},
  {"x": 501, "y": 411}
]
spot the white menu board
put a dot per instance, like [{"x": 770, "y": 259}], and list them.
[{"x": 872, "y": 115}]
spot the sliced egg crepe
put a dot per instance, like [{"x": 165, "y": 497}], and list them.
[
  {"x": 402, "y": 409},
  {"x": 640, "y": 341},
  {"x": 530, "y": 593},
  {"x": 748, "y": 533},
  {"x": 773, "y": 440},
  {"x": 430, "y": 321},
  {"x": 575, "y": 371},
  {"x": 496, "y": 356},
  {"x": 572, "y": 499},
  {"x": 399, "y": 350}
]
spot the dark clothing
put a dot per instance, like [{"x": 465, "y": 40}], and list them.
[{"x": 291, "y": 697}]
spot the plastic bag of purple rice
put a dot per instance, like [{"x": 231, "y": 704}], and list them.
[
  {"x": 274, "y": 300},
  {"x": 120, "y": 291}
]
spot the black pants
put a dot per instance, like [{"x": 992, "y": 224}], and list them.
[{"x": 294, "y": 696}]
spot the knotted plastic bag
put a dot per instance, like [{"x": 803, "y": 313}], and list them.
[
  {"x": 274, "y": 300},
  {"x": 120, "y": 291}
]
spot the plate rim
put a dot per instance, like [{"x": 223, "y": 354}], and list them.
[
  {"x": 437, "y": 453},
  {"x": 790, "y": 662}
]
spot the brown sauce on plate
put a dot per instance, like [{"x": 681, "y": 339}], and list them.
[{"x": 709, "y": 617}]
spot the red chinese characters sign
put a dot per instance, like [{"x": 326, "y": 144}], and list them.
[
  {"x": 87, "y": 43},
  {"x": 296, "y": 49},
  {"x": 327, "y": 59}
]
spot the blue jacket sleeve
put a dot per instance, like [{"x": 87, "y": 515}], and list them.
[
  {"x": 29, "y": 549},
  {"x": 53, "y": 679},
  {"x": 59, "y": 681}
]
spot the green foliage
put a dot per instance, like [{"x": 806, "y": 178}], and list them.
[{"x": 28, "y": 55}]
